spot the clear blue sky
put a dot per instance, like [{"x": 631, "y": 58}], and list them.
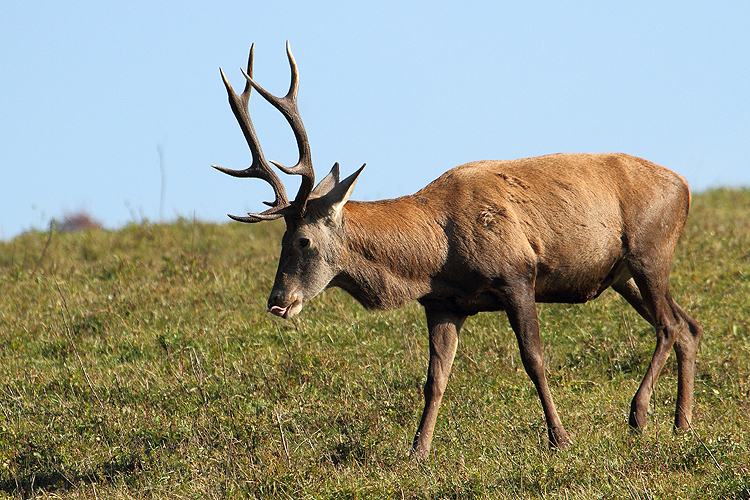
[{"x": 90, "y": 91}]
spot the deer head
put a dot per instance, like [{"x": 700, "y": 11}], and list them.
[{"x": 309, "y": 247}]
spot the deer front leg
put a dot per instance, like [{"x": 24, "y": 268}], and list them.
[
  {"x": 444, "y": 328},
  {"x": 521, "y": 311}
]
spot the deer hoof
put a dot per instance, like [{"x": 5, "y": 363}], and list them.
[{"x": 559, "y": 439}]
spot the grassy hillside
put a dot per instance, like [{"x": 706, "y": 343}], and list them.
[{"x": 140, "y": 363}]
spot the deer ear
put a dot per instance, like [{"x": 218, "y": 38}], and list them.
[
  {"x": 334, "y": 200},
  {"x": 329, "y": 182}
]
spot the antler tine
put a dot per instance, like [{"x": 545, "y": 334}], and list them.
[
  {"x": 259, "y": 168},
  {"x": 287, "y": 105},
  {"x": 257, "y": 217}
]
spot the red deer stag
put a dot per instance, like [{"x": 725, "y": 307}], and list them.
[{"x": 485, "y": 236}]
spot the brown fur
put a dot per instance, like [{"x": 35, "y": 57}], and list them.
[{"x": 486, "y": 219}]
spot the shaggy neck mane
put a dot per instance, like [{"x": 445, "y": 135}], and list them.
[{"x": 393, "y": 245}]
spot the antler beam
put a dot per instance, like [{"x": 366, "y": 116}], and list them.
[{"x": 260, "y": 168}]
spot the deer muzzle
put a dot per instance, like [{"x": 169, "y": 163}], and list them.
[{"x": 284, "y": 305}]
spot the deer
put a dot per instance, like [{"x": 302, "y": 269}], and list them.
[{"x": 484, "y": 236}]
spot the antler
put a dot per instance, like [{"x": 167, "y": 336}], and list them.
[
  {"x": 260, "y": 168},
  {"x": 288, "y": 107}
]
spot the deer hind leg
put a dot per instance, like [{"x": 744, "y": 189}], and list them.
[
  {"x": 521, "y": 311},
  {"x": 444, "y": 328},
  {"x": 686, "y": 347},
  {"x": 674, "y": 327}
]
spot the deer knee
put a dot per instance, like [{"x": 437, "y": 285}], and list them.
[
  {"x": 696, "y": 330},
  {"x": 668, "y": 332},
  {"x": 434, "y": 388},
  {"x": 685, "y": 345},
  {"x": 689, "y": 334}
]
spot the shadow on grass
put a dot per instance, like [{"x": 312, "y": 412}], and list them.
[{"x": 41, "y": 473}]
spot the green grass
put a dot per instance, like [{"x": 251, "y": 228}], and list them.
[{"x": 139, "y": 363}]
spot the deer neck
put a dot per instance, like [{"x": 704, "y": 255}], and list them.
[{"x": 393, "y": 250}]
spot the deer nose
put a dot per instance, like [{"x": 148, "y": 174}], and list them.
[{"x": 277, "y": 298}]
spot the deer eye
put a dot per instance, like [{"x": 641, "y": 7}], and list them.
[{"x": 304, "y": 242}]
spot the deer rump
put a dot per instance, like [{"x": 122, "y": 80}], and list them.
[{"x": 486, "y": 236}]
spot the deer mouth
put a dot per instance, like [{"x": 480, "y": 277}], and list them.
[
  {"x": 278, "y": 311},
  {"x": 286, "y": 312}
]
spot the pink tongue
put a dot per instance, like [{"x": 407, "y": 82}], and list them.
[{"x": 278, "y": 311}]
